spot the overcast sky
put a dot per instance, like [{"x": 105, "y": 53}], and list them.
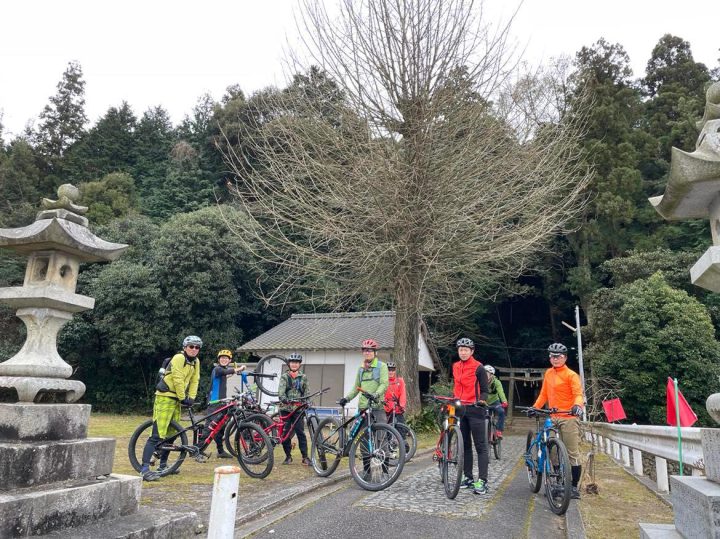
[{"x": 157, "y": 52}]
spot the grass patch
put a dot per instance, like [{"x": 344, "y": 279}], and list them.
[{"x": 622, "y": 503}]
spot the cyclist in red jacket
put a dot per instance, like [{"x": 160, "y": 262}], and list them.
[
  {"x": 395, "y": 390},
  {"x": 471, "y": 385}
]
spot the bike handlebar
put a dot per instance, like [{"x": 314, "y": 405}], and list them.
[
  {"x": 444, "y": 399},
  {"x": 543, "y": 411}
]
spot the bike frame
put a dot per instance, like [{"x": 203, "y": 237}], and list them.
[
  {"x": 196, "y": 424},
  {"x": 540, "y": 441}
]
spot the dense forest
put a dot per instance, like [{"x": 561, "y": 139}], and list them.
[{"x": 167, "y": 192}]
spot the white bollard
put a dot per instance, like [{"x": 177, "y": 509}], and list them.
[
  {"x": 224, "y": 502},
  {"x": 626, "y": 456},
  {"x": 662, "y": 475},
  {"x": 637, "y": 462}
]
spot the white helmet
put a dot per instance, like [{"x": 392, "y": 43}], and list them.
[{"x": 490, "y": 369}]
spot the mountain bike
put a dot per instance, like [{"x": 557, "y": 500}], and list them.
[
  {"x": 274, "y": 425},
  {"x": 546, "y": 457},
  {"x": 376, "y": 451},
  {"x": 253, "y": 447},
  {"x": 449, "y": 452},
  {"x": 404, "y": 430},
  {"x": 492, "y": 436},
  {"x": 273, "y": 365}
]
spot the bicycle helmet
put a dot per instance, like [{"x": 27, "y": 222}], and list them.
[
  {"x": 467, "y": 343},
  {"x": 490, "y": 369},
  {"x": 557, "y": 348},
  {"x": 391, "y": 365},
  {"x": 225, "y": 352},
  {"x": 369, "y": 344},
  {"x": 192, "y": 339},
  {"x": 295, "y": 357}
]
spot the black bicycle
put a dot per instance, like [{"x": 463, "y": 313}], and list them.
[
  {"x": 253, "y": 448},
  {"x": 492, "y": 437},
  {"x": 376, "y": 451},
  {"x": 405, "y": 431}
]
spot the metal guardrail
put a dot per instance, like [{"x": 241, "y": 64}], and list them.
[
  {"x": 656, "y": 440},
  {"x": 661, "y": 442}
]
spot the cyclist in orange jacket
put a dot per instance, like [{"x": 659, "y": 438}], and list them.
[{"x": 562, "y": 389}]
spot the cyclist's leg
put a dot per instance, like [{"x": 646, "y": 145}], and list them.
[
  {"x": 500, "y": 412},
  {"x": 302, "y": 439},
  {"x": 400, "y": 418},
  {"x": 163, "y": 414},
  {"x": 570, "y": 435},
  {"x": 467, "y": 448},
  {"x": 164, "y": 429},
  {"x": 379, "y": 415},
  {"x": 478, "y": 425},
  {"x": 287, "y": 444}
]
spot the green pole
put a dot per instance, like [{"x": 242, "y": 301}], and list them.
[{"x": 677, "y": 421}]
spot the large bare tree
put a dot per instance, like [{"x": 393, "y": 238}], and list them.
[{"x": 409, "y": 189}]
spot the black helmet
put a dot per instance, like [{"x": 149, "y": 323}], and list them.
[
  {"x": 557, "y": 348},
  {"x": 467, "y": 343},
  {"x": 295, "y": 357},
  {"x": 391, "y": 365}
]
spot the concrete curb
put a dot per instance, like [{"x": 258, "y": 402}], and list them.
[
  {"x": 319, "y": 484},
  {"x": 575, "y": 527}
]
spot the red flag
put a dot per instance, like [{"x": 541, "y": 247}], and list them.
[
  {"x": 687, "y": 416},
  {"x": 613, "y": 410}
]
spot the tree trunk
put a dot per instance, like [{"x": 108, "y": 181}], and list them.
[{"x": 407, "y": 334}]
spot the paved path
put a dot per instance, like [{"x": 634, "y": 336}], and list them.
[{"x": 415, "y": 506}]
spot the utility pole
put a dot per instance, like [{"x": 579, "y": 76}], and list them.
[{"x": 576, "y": 329}]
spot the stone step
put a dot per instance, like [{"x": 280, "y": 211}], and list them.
[
  {"x": 696, "y": 504},
  {"x": 659, "y": 531},
  {"x": 29, "y": 464},
  {"x": 42, "y": 510},
  {"x": 146, "y": 523}
]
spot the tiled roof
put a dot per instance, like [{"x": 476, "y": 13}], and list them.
[{"x": 327, "y": 331}]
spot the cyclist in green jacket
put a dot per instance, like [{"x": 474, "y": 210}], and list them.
[
  {"x": 373, "y": 378},
  {"x": 496, "y": 399},
  {"x": 293, "y": 385},
  {"x": 178, "y": 387}
]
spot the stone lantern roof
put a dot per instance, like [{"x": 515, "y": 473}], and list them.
[{"x": 694, "y": 178}]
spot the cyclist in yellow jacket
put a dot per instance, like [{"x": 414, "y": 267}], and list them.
[
  {"x": 178, "y": 387},
  {"x": 562, "y": 389}
]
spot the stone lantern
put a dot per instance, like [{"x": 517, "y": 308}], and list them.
[
  {"x": 55, "y": 244},
  {"x": 693, "y": 192}
]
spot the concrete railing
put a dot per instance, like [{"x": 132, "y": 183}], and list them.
[{"x": 661, "y": 442}]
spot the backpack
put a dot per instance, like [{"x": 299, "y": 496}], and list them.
[
  {"x": 162, "y": 371},
  {"x": 375, "y": 372}
]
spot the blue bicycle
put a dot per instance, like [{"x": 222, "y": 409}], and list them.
[{"x": 546, "y": 456}]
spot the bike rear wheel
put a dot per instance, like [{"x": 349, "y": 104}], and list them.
[
  {"x": 453, "y": 456},
  {"x": 493, "y": 439},
  {"x": 270, "y": 364},
  {"x": 175, "y": 455},
  {"x": 328, "y": 443},
  {"x": 558, "y": 480},
  {"x": 531, "y": 463},
  {"x": 254, "y": 450},
  {"x": 407, "y": 434},
  {"x": 377, "y": 457}
]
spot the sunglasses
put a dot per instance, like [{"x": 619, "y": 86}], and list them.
[
  {"x": 365, "y": 350},
  {"x": 193, "y": 347},
  {"x": 556, "y": 355}
]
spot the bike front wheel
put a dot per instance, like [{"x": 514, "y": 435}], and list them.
[
  {"x": 377, "y": 456},
  {"x": 254, "y": 450},
  {"x": 270, "y": 364},
  {"x": 558, "y": 480},
  {"x": 171, "y": 454},
  {"x": 408, "y": 435},
  {"x": 532, "y": 463},
  {"x": 328, "y": 443},
  {"x": 453, "y": 458}
]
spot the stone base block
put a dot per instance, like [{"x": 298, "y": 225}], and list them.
[
  {"x": 70, "y": 505},
  {"x": 31, "y": 464},
  {"x": 25, "y": 422},
  {"x": 711, "y": 453},
  {"x": 696, "y": 504},
  {"x": 706, "y": 271},
  {"x": 659, "y": 531},
  {"x": 146, "y": 523},
  {"x": 31, "y": 389}
]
